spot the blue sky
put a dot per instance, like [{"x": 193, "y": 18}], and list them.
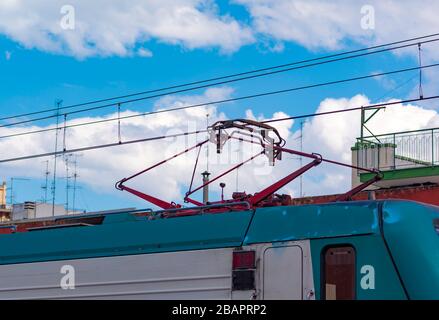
[{"x": 33, "y": 77}]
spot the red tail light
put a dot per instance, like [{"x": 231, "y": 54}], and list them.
[{"x": 243, "y": 260}]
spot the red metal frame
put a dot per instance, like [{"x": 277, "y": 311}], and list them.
[
  {"x": 259, "y": 197},
  {"x": 348, "y": 195},
  {"x": 156, "y": 201},
  {"x": 187, "y": 199},
  {"x": 344, "y": 197}
]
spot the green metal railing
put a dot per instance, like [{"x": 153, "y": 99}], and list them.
[{"x": 399, "y": 150}]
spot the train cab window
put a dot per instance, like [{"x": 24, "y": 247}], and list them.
[{"x": 338, "y": 273}]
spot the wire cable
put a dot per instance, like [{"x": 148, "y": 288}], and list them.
[
  {"x": 225, "y": 100},
  {"x": 75, "y": 150},
  {"x": 227, "y": 77},
  {"x": 372, "y": 106},
  {"x": 101, "y": 146}
]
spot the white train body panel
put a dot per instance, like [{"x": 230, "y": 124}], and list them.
[{"x": 282, "y": 272}]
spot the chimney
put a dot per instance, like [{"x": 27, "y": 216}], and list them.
[
  {"x": 205, "y": 175},
  {"x": 30, "y": 209}
]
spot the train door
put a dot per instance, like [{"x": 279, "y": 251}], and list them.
[
  {"x": 338, "y": 272},
  {"x": 283, "y": 273}
]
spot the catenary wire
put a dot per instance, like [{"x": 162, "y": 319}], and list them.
[
  {"x": 220, "y": 101},
  {"x": 218, "y": 78},
  {"x": 75, "y": 150},
  {"x": 225, "y": 100}
]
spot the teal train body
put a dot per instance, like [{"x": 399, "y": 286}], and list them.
[{"x": 353, "y": 250}]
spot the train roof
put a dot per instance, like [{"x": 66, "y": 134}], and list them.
[{"x": 128, "y": 233}]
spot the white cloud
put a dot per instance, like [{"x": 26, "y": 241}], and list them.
[
  {"x": 324, "y": 24},
  {"x": 330, "y": 25},
  {"x": 8, "y": 55},
  {"x": 117, "y": 27},
  {"x": 335, "y": 132},
  {"x": 332, "y": 136},
  {"x": 143, "y": 52},
  {"x": 314, "y": 24},
  {"x": 100, "y": 169}
]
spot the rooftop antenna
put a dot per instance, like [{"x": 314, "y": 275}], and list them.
[
  {"x": 45, "y": 186},
  {"x": 67, "y": 161},
  {"x": 58, "y": 105},
  {"x": 75, "y": 178},
  {"x": 11, "y": 188}
]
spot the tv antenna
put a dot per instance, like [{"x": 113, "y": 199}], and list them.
[
  {"x": 68, "y": 186},
  {"x": 45, "y": 186},
  {"x": 74, "y": 176},
  {"x": 58, "y": 105},
  {"x": 11, "y": 188}
]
